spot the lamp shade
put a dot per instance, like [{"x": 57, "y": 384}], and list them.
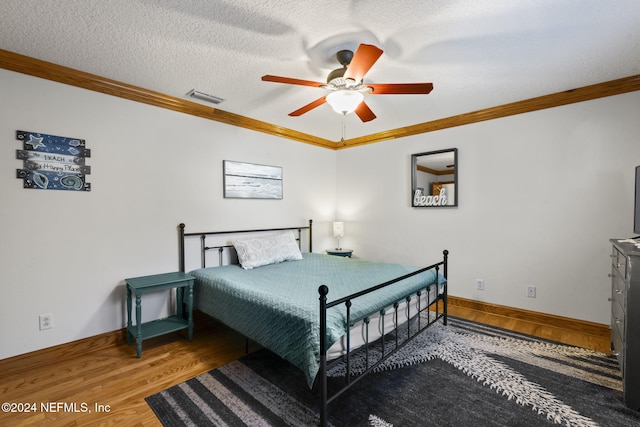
[
  {"x": 338, "y": 229},
  {"x": 344, "y": 101}
]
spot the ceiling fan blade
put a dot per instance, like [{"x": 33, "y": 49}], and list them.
[
  {"x": 362, "y": 61},
  {"x": 364, "y": 112},
  {"x": 400, "y": 88},
  {"x": 300, "y": 111},
  {"x": 288, "y": 80}
]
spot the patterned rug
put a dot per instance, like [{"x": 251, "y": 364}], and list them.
[{"x": 463, "y": 374}]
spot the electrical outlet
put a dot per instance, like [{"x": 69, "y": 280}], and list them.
[
  {"x": 531, "y": 291},
  {"x": 480, "y": 284},
  {"x": 46, "y": 321}
]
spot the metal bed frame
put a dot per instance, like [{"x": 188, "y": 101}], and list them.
[{"x": 437, "y": 306}]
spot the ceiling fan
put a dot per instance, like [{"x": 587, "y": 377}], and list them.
[{"x": 346, "y": 87}]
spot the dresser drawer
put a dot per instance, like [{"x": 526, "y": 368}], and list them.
[
  {"x": 619, "y": 291},
  {"x": 618, "y": 350},
  {"x": 619, "y": 263},
  {"x": 617, "y": 318}
]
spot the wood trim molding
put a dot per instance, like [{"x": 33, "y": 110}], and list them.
[
  {"x": 582, "y": 326},
  {"x": 83, "y": 346},
  {"x": 109, "y": 339},
  {"x": 586, "y": 93},
  {"x": 57, "y": 73},
  {"x": 435, "y": 172},
  {"x": 50, "y": 71},
  {"x": 44, "y": 356}
]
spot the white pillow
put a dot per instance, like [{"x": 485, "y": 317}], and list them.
[{"x": 265, "y": 250}]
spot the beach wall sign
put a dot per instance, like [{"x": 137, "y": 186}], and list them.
[{"x": 52, "y": 162}]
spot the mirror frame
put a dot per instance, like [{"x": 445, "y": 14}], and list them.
[{"x": 414, "y": 186}]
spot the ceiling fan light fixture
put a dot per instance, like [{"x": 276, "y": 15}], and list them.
[
  {"x": 346, "y": 85},
  {"x": 345, "y": 101}
]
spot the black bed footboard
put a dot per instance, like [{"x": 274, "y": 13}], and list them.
[{"x": 438, "y": 306}]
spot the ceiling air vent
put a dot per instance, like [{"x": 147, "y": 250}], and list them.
[{"x": 204, "y": 97}]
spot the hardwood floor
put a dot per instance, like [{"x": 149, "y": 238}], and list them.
[
  {"x": 108, "y": 384},
  {"x": 594, "y": 336},
  {"x": 111, "y": 375}
]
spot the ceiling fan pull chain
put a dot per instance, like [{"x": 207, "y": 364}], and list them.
[{"x": 344, "y": 116}]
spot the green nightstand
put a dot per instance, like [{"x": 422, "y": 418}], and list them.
[
  {"x": 340, "y": 252},
  {"x": 183, "y": 284}
]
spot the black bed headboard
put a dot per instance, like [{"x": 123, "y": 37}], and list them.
[{"x": 204, "y": 248}]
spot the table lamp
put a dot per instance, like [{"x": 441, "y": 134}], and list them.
[{"x": 338, "y": 232}]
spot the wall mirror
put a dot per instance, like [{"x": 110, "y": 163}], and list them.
[{"x": 434, "y": 178}]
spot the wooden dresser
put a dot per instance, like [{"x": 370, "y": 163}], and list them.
[{"x": 625, "y": 317}]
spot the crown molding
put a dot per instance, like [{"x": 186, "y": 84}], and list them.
[
  {"x": 57, "y": 73},
  {"x": 47, "y": 70},
  {"x": 586, "y": 93}
]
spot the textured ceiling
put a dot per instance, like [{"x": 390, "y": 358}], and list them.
[{"x": 477, "y": 53}]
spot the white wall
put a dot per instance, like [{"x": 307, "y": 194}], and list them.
[
  {"x": 540, "y": 194},
  {"x": 67, "y": 253}
]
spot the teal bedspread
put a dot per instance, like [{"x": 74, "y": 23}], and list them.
[{"x": 278, "y": 305}]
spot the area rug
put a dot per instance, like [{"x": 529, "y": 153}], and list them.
[{"x": 462, "y": 374}]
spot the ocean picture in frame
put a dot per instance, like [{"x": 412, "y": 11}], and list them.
[{"x": 251, "y": 181}]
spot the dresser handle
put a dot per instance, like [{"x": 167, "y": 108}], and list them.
[
  {"x": 609, "y": 299},
  {"x": 618, "y": 291},
  {"x": 611, "y": 275}
]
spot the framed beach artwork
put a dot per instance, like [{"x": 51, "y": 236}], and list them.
[{"x": 251, "y": 181}]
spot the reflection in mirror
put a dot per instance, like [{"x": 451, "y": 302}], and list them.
[{"x": 434, "y": 178}]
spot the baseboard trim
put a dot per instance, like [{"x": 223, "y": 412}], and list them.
[
  {"x": 582, "y": 326},
  {"x": 71, "y": 349},
  {"x": 44, "y": 356},
  {"x": 118, "y": 337}
]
